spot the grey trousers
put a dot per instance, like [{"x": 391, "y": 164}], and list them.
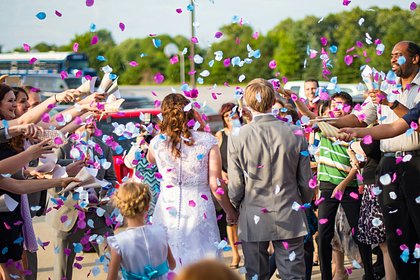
[
  {"x": 257, "y": 259},
  {"x": 32, "y": 259},
  {"x": 63, "y": 264}
]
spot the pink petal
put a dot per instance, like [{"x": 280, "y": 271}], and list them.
[
  {"x": 94, "y": 40},
  {"x": 348, "y": 59},
  {"x": 220, "y": 191},
  {"x": 285, "y": 245},
  {"x": 26, "y": 47},
  {"x": 203, "y": 196},
  {"x": 122, "y": 26},
  {"x": 174, "y": 59},
  {"x": 218, "y": 34},
  {"x": 79, "y": 74},
  {"x": 32, "y": 61},
  {"x": 133, "y": 63},
  {"x": 367, "y": 140},
  {"x": 191, "y": 203},
  {"x": 179, "y": 10},
  {"x": 194, "y": 40},
  {"x": 159, "y": 78},
  {"x": 399, "y": 232},
  {"x": 57, "y": 13},
  {"x": 226, "y": 62},
  {"x": 58, "y": 141},
  {"x": 255, "y": 35},
  {"x": 319, "y": 201},
  {"x": 272, "y": 64},
  {"x": 313, "y": 183},
  {"x": 413, "y": 6},
  {"x": 89, "y": 3},
  {"x": 63, "y": 218},
  {"x": 75, "y": 47},
  {"x": 324, "y": 41},
  {"x": 323, "y": 221},
  {"x": 64, "y": 75},
  {"x": 354, "y": 195},
  {"x": 45, "y": 118}
]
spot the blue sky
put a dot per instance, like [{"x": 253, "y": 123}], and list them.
[{"x": 142, "y": 17}]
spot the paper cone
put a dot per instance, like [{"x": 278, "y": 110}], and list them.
[
  {"x": 86, "y": 179},
  {"x": 114, "y": 106},
  {"x": 84, "y": 88},
  {"x": 106, "y": 83},
  {"x": 367, "y": 77},
  {"x": 113, "y": 87}
]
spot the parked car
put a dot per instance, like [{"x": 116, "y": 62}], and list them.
[
  {"x": 136, "y": 102},
  {"x": 352, "y": 89}
]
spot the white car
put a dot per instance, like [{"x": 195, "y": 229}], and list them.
[{"x": 352, "y": 89}]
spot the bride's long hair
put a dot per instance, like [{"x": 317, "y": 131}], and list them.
[{"x": 175, "y": 121}]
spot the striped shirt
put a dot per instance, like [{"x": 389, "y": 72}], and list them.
[{"x": 334, "y": 162}]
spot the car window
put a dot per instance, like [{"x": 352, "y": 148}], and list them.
[
  {"x": 105, "y": 125},
  {"x": 136, "y": 103},
  {"x": 295, "y": 89}
]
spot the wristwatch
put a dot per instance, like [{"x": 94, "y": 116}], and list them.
[{"x": 394, "y": 105}]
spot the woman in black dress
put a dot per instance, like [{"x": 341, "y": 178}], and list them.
[{"x": 231, "y": 121}]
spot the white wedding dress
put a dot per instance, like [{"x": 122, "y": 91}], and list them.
[{"x": 185, "y": 206}]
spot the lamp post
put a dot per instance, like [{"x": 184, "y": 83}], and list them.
[
  {"x": 192, "y": 46},
  {"x": 172, "y": 49}
]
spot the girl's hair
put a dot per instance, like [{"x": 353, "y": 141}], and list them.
[
  {"x": 132, "y": 198},
  {"x": 227, "y": 107},
  {"x": 175, "y": 121},
  {"x": 207, "y": 269},
  {"x": 16, "y": 90}
]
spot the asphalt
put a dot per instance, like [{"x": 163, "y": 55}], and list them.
[{"x": 46, "y": 259}]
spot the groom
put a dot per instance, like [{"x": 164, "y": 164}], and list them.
[{"x": 269, "y": 172}]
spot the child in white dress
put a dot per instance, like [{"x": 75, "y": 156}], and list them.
[{"x": 141, "y": 251}]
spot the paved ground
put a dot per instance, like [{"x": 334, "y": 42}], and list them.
[{"x": 46, "y": 258}]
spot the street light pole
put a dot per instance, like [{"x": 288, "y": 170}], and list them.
[{"x": 192, "y": 46}]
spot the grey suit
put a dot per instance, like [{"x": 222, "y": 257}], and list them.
[
  {"x": 68, "y": 232},
  {"x": 267, "y": 174}
]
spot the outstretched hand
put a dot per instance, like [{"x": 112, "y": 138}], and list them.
[
  {"x": 68, "y": 180},
  {"x": 30, "y": 130},
  {"x": 67, "y": 96},
  {"x": 348, "y": 133},
  {"x": 42, "y": 148}
]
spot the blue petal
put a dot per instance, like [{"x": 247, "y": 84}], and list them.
[{"x": 41, "y": 15}]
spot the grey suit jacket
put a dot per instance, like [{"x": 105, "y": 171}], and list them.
[
  {"x": 267, "y": 174},
  {"x": 53, "y": 217}
]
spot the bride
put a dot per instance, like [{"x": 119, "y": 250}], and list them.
[{"x": 190, "y": 165}]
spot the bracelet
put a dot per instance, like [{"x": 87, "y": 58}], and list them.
[{"x": 394, "y": 105}]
